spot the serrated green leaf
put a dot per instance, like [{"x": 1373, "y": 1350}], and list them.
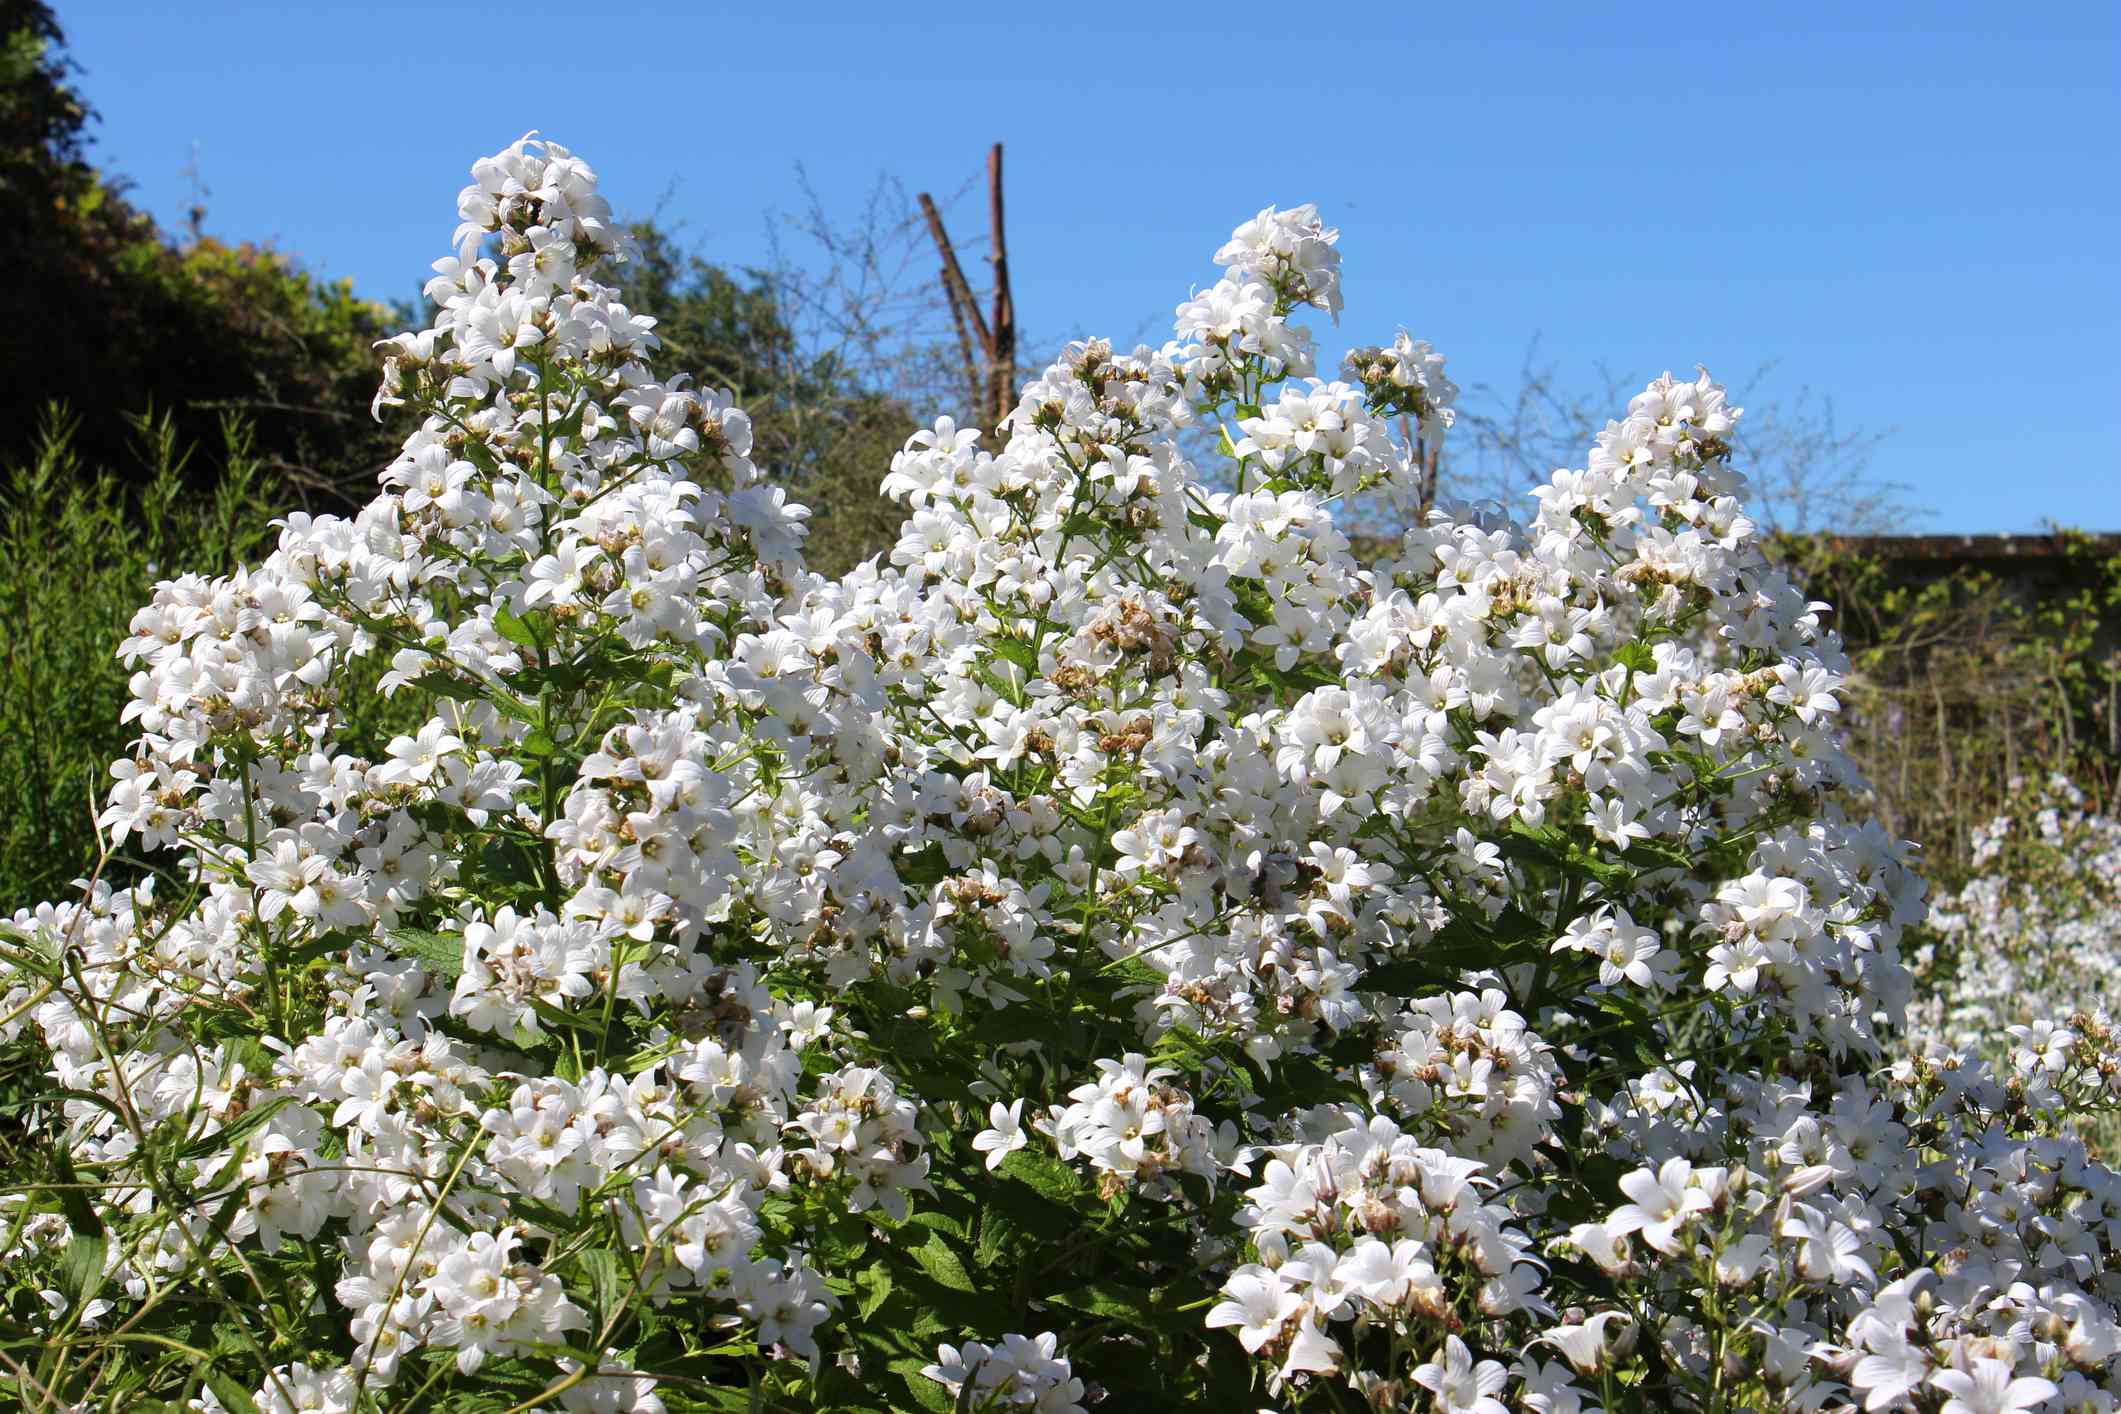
[
  {"x": 926, "y": 1392},
  {"x": 230, "y": 1392},
  {"x": 601, "y": 1266},
  {"x": 81, "y": 1267},
  {"x": 1045, "y": 1175},
  {"x": 441, "y": 954},
  {"x": 1109, "y": 1299},
  {"x": 1016, "y": 651},
  {"x": 513, "y": 627},
  {"x": 874, "y": 1284},
  {"x": 995, "y": 1231},
  {"x": 943, "y": 1265},
  {"x": 936, "y": 1220}
]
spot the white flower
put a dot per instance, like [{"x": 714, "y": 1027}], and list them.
[
  {"x": 1584, "y": 1344},
  {"x": 1992, "y": 1388},
  {"x": 1258, "y": 1302},
  {"x": 1004, "y": 1134},
  {"x": 1664, "y": 1200},
  {"x": 1828, "y": 1250},
  {"x": 1461, "y": 1386}
]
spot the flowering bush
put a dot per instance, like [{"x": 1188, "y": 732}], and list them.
[
  {"x": 2033, "y": 936},
  {"x": 1119, "y": 948}
]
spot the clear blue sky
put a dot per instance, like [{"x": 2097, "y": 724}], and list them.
[{"x": 1913, "y": 210}]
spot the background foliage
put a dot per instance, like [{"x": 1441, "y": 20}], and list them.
[
  {"x": 83, "y": 546},
  {"x": 1967, "y": 682}
]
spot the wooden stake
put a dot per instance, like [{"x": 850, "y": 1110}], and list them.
[
  {"x": 963, "y": 309},
  {"x": 990, "y": 374},
  {"x": 1001, "y": 360}
]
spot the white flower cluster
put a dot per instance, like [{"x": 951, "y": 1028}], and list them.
[
  {"x": 1273, "y": 262},
  {"x": 1370, "y": 1228},
  {"x": 1499, "y": 895},
  {"x": 1465, "y": 1071},
  {"x": 2035, "y": 935},
  {"x": 1407, "y": 377},
  {"x": 1023, "y": 1372},
  {"x": 1137, "y": 1129},
  {"x": 412, "y": 1146},
  {"x": 858, "y": 1126},
  {"x": 1811, "y": 1219}
]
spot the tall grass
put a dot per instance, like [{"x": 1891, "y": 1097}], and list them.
[{"x": 81, "y": 548}]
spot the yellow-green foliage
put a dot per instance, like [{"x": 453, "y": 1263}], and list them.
[
  {"x": 1965, "y": 681},
  {"x": 81, "y": 548}
]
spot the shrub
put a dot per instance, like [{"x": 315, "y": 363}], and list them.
[
  {"x": 117, "y": 315},
  {"x": 1120, "y": 946}
]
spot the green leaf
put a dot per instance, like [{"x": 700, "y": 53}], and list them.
[
  {"x": 1008, "y": 691},
  {"x": 1611, "y": 874},
  {"x": 1636, "y": 657},
  {"x": 443, "y": 683},
  {"x": 1016, "y": 651},
  {"x": 936, "y": 1220},
  {"x": 565, "y": 1020},
  {"x": 1110, "y": 1299},
  {"x": 1657, "y": 854},
  {"x": 601, "y": 1266},
  {"x": 874, "y": 1283},
  {"x": 231, "y": 1135},
  {"x": 1045, "y": 1211},
  {"x": 926, "y": 1392},
  {"x": 81, "y": 1268},
  {"x": 1045, "y": 1175},
  {"x": 513, "y": 628},
  {"x": 568, "y": 425},
  {"x": 481, "y": 456},
  {"x": 507, "y": 858},
  {"x": 81, "y": 1216},
  {"x": 232, "y": 1394},
  {"x": 943, "y": 1265},
  {"x": 338, "y": 940},
  {"x": 441, "y": 954},
  {"x": 545, "y": 1215},
  {"x": 922, "y": 869},
  {"x": 995, "y": 1232}
]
